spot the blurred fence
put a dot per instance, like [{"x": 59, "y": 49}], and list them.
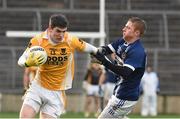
[{"x": 165, "y": 62}]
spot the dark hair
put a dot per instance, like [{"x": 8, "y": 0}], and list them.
[
  {"x": 139, "y": 24},
  {"x": 58, "y": 20}
]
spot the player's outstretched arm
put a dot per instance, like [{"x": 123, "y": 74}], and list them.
[
  {"x": 90, "y": 48},
  {"x": 119, "y": 70}
]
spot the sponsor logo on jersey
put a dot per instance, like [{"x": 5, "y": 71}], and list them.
[
  {"x": 123, "y": 55},
  {"x": 56, "y": 60},
  {"x": 57, "y": 57}
]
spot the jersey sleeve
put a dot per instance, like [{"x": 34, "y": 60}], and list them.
[
  {"x": 33, "y": 42},
  {"x": 78, "y": 44},
  {"x": 114, "y": 45}
]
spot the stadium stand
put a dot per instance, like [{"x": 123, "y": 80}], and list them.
[
  {"x": 60, "y": 4},
  {"x": 161, "y": 39},
  {"x": 155, "y": 5},
  {"x": 174, "y": 21},
  {"x": 77, "y": 21},
  {"x": 17, "y": 20}
]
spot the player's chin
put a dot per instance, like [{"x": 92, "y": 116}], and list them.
[
  {"x": 124, "y": 35},
  {"x": 59, "y": 39}
]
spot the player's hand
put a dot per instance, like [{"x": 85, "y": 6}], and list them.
[
  {"x": 34, "y": 60},
  {"x": 94, "y": 60},
  {"x": 100, "y": 57},
  {"x": 102, "y": 50}
]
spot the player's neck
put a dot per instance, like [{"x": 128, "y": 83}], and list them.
[
  {"x": 132, "y": 40},
  {"x": 54, "y": 41}
]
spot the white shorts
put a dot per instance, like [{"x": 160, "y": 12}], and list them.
[
  {"x": 117, "y": 108},
  {"x": 108, "y": 90},
  {"x": 92, "y": 90},
  {"x": 46, "y": 101}
]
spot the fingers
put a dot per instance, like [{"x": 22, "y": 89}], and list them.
[
  {"x": 102, "y": 50},
  {"x": 94, "y": 59},
  {"x": 39, "y": 59},
  {"x": 31, "y": 55}
]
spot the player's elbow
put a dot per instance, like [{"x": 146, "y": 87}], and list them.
[
  {"x": 125, "y": 72},
  {"x": 21, "y": 61}
]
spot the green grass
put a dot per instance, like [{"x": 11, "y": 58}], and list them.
[
  {"x": 9, "y": 115},
  {"x": 81, "y": 115}
]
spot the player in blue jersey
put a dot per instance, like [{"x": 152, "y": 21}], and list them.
[{"x": 130, "y": 67}]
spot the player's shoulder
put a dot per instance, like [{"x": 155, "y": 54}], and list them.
[
  {"x": 138, "y": 47},
  {"x": 38, "y": 38},
  {"x": 116, "y": 43},
  {"x": 69, "y": 36},
  {"x": 119, "y": 41},
  {"x": 74, "y": 41},
  {"x": 41, "y": 34}
]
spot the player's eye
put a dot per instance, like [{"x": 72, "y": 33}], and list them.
[{"x": 61, "y": 31}]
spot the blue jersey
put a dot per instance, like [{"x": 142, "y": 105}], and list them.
[
  {"x": 133, "y": 56},
  {"x": 110, "y": 76}
]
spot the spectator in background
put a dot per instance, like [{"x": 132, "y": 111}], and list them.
[
  {"x": 92, "y": 89},
  {"x": 150, "y": 88}
]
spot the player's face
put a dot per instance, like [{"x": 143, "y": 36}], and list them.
[
  {"x": 129, "y": 32},
  {"x": 57, "y": 33}
]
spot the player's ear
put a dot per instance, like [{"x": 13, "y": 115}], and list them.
[
  {"x": 50, "y": 28},
  {"x": 137, "y": 33}
]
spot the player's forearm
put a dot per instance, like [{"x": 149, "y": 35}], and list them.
[
  {"x": 90, "y": 48},
  {"x": 119, "y": 70},
  {"x": 26, "y": 82}
]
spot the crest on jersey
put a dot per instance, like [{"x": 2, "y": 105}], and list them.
[
  {"x": 123, "y": 55},
  {"x": 119, "y": 50},
  {"x": 63, "y": 51},
  {"x": 52, "y": 51}
]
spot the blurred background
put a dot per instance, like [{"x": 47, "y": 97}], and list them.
[{"x": 161, "y": 42}]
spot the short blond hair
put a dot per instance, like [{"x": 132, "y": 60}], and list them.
[{"x": 139, "y": 24}]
